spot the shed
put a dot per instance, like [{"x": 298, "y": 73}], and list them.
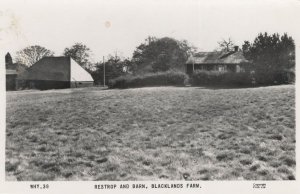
[{"x": 56, "y": 73}]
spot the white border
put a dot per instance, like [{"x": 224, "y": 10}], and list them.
[{"x": 232, "y": 187}]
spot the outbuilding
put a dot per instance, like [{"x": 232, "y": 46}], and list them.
[{"x": 55, "y": 73}]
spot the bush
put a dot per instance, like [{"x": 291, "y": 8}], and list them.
[
  {"x": 168, "y": 78},
  {"x": 215, "y": 78},
  {"x": 275, "y": 77}
]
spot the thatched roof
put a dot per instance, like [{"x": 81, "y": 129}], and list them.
[
  {"x": 218, "y": 57},
  {"x": 56, "y": 69}
]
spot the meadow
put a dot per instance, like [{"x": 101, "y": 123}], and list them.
[{"x": 155, "y": 133}]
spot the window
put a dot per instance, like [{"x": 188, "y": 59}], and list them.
[
  {"x": 240, "y": 69},
  {"x": 222, "y": 68}
]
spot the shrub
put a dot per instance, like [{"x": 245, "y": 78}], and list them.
[
  {"x": 275, "y": 77},
  {"x": 168, "y": 78},
  {"x": 215, "y": 78}
]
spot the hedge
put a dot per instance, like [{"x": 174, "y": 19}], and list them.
[
  {"x": 168, "y": 78},
  {"x": 215, "y": 78}
]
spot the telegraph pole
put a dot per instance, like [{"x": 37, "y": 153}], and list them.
[
  {"x": 103, "y": 73},
  {"x": 193, "y": 64}
]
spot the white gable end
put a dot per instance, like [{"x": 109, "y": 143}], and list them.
[{"x": 78, "y": 73}]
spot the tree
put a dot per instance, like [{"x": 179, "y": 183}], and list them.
[
  {"x": 115, "y": 66},
  {"x": 81, "y": 54},
  {"x": 8, "y": 61},
  {"x": 226, "y": 45},
  {"x": 160, "y": 54},
  {"x": 31, "y": 54},
  {"x": 272, "y": 55}
]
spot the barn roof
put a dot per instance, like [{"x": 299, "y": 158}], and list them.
[
  {"x": 56, "y": 69},
  {"x": 218, "y": 57}
]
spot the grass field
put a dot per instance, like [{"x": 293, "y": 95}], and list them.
[{"x": 163, "y": 133}]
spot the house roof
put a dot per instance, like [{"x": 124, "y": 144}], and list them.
[
  {"x": 56, "y": 69},
  {"x": 218, "y": 57},
  {"x": 15, "y": 68}
]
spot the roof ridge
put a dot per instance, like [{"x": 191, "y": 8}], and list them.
[
  {"x": 217, "y": 57},
  {"x": 56, "y": 57},
  {"x": 210, "y": 52}
]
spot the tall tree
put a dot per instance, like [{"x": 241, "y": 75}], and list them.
[
  {"x": 271, "y": 55},
  {"x": 226, "y": 45},
  {"x": 115, "y": 66},
  {"x": 31, "y": 54},
  {"x": 161, "y": 54},
  {"x": 81, "y": 54}
]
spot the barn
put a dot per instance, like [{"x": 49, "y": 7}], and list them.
[
  {"x": 223, "y": 61},
  {"x": 55, "y": 73}
]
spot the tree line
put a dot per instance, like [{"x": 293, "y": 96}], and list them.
[{"x": 271, "y": 56}]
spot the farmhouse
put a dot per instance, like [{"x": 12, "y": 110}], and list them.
[
  {"x": 12, "y": 70},
  {"x": 232, "y": 61},
  {"x": 56, "y": 73},
  {"x": 11, "y": 73},
  {"x": 11, "y": 76}
]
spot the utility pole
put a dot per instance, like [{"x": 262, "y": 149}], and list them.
[
  {"x": 193, "y": 64},
  {"x": 103, "y": 73}
]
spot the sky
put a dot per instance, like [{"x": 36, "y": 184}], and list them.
[{"x": 109, "y": 27}]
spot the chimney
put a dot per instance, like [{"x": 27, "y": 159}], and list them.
[{"x": 236, "y": 48}]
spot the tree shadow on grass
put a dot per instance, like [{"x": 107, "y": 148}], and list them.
[
  {"x": 212, "y": 87},
  {"x": 223, "y": 87},
  {"x": 179, "y": 86},
  {"x": 234, "y": 87}
]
